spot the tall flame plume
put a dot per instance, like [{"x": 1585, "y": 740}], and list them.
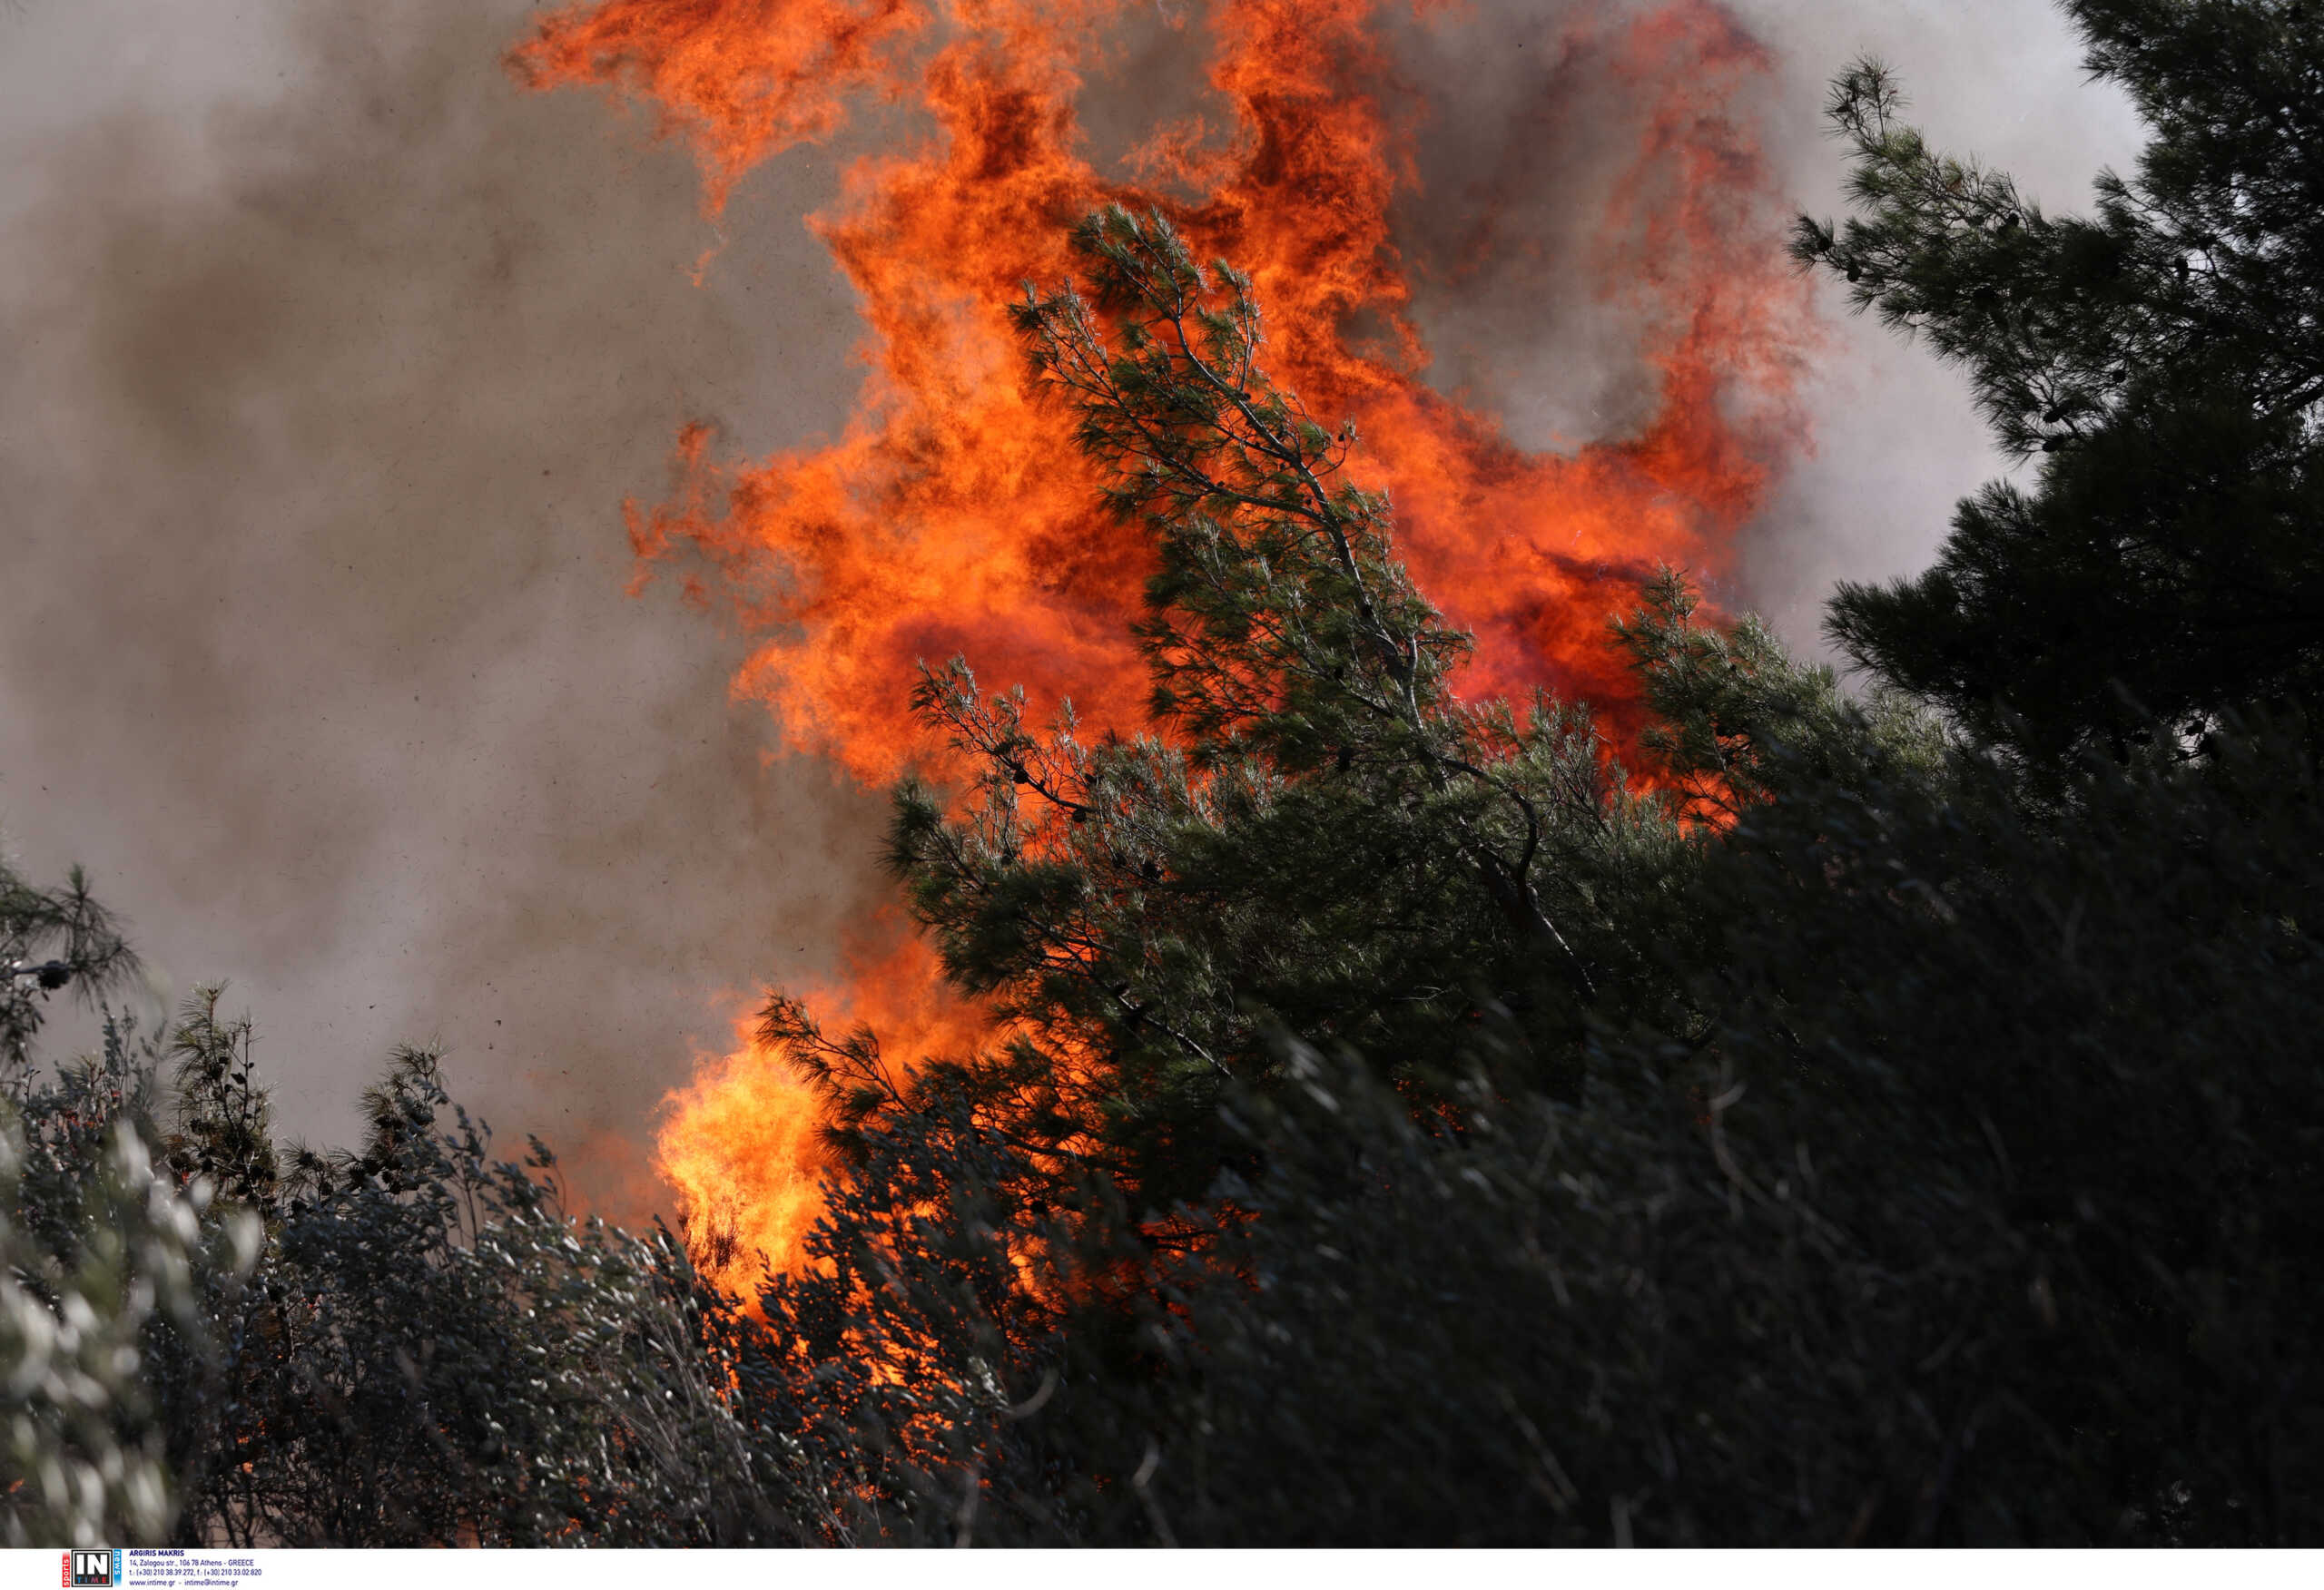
[{"x": 951, "y": 517}]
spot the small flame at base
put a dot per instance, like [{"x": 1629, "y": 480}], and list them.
[{"x": 741, "y": 1145}]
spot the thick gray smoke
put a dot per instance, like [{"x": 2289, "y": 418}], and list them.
[{"x": 326, "y": 357}]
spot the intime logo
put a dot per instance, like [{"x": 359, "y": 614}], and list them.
[{"x": 87, "y": 1566}]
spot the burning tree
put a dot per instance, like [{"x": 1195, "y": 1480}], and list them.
[
  {"x": 1320, "y": 838},
  {"x": 948, "y": 518}
]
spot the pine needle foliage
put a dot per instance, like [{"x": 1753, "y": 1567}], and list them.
[
  {"x": 2161, "y": 359},
  {"x": 51, "y": 939}
]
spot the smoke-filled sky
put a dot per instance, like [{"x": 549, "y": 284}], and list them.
[{"x": 327, "y": 358}]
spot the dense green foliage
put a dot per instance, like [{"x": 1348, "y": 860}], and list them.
[{"x": 1879, "y": 1119}]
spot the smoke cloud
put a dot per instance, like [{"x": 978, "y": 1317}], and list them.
[{"x": 326, "y": 357}]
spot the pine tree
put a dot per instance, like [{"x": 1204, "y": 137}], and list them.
[
  {"x": 50, "y": 940},
  {"x": 2163, "y": 360}
]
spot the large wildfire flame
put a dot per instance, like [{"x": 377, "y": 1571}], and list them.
[{"x": 951, "y": 517}]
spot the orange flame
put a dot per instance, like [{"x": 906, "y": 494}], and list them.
[
  {"x": 952, "y": 516},
  {"x": 740, "y": 1146}
]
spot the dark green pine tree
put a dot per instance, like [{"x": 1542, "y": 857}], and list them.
[{"x": 2161, "y": 361}]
